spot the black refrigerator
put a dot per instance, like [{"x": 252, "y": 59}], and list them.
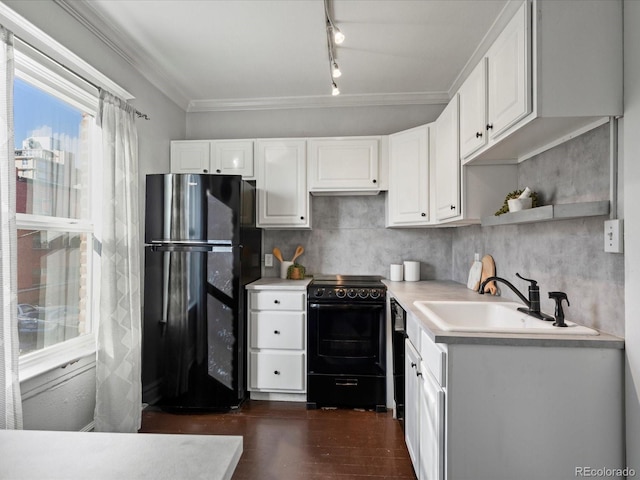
[{"x": 201, "y": 248}]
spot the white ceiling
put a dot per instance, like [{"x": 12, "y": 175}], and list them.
[{"x": 232, "y": 54}]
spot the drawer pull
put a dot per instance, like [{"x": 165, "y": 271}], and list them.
[
  {"x": 276, "y": 372},
  {"x": 346, "y": 382},
  {"x": 277, "y": 332},
  {"x": 276, "y": 301}
]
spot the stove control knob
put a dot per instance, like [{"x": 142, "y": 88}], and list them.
[
  {"x": 363, "y": 293},
  {"x": 319, "y": 292},
  {"x": 340, "y": 293},
  {"x": 351, "y": 293},
  {"x": 375, "y": 293}
]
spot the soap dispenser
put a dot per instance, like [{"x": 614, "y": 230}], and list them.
[{"x": 559, "y": 313}]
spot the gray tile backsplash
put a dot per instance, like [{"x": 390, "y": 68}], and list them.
[{"x": 349, "y": 237}]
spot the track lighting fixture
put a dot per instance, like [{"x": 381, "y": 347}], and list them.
[
  {"x": 334, "y": 37},
  {"x": 335, "y": 70}
]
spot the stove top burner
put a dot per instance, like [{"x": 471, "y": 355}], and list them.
[{"x": 346, "y": 288}]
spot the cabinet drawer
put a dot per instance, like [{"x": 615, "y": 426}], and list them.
[
  {"x": 277, "y": 371},
  {"x": 279, "y": 330},
  {"x": 433, "y": 357},
  {"x": 278, "y": 300}
]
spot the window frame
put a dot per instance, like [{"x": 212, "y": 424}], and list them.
[{"x": 35, "y": 71}]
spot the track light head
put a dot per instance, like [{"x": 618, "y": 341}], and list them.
[{"x": 335, "y": 70}]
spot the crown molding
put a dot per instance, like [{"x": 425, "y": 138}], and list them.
[
  {"x": 39, "y": 40},
  {"x": 116, "y": 40},
  {"x": 319, "y": 101}
]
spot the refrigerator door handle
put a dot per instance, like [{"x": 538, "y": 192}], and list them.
[{"x": 166, "y": 260}]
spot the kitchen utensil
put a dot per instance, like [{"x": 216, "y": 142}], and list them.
[
  {"x": 489, "y": 270},
  {"x": 278, "y": 254},
  {"x": 517, "y": 204},
  {"x": 475, "y": 273},
  {"x": 299, "y": 251}
]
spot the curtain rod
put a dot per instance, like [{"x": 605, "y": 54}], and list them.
[{"x": 138, "y": 113}]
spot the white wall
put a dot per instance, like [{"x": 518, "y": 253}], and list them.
[
  {"x": 631, "y": 165},
  {"x": 64, "y": 399}
]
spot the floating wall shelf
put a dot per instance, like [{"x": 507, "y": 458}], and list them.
[{"x": 547, "y": 213}]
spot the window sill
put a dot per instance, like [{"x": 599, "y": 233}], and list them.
[{"x": 56, "y": 356}]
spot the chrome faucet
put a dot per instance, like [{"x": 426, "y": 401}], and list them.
[{"x": 532, "y": 303}]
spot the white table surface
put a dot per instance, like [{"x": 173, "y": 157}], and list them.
[{"x": 40, "y": 455}]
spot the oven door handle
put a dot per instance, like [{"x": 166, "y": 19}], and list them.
[
  {"x": 346, "y": 306},
  {"x": 346, "y": 382}
]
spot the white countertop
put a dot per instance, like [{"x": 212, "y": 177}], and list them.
[
  {"x": 40, "y": 455},
  {"x": 275, "y": 283},
  {"x": 408, "y": 292}
]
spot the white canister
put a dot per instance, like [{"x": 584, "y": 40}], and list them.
[
  {"x": 395, "y": 272},
  {"x": 411, "y": 271},
  {"x": 284, "y": 267}
]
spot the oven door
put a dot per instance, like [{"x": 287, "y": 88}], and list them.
[{"x": 346, "y": 338}]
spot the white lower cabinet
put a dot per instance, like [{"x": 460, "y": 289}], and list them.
[
  {"x": 277, "y": 371},
  {"x": 277, "y": 321},
  {"x": 503, "y": 412},
  {"x": 424, "y": 409}
]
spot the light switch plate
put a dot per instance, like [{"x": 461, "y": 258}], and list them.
[
  {"x": 613, "y": 236},
  {"x": 268, "y": 260}
]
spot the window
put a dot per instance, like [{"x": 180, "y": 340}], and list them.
[{"x": 53, "y": 133}]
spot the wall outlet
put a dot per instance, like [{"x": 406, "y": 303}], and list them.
[
  {"x": 613, "y": 237},
  {"x": 268, "y": 260}
]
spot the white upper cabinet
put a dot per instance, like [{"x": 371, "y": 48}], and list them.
[
  {"x": 508, "y": 75},
  {"x": 343, "y": 165},
  {"x": 225, "y": 157},
  {"x": 189, "y": 156},
  {"x": 463, "y": 195},
  {"x": 447, "y": 163},
  {"x": 408, "y": 196},
  {"x": 283, "y": 199},
  {"x": 473, "y": 110},
  {"x": 554, "y": 71},
  {"x": 232, "y": 157}
]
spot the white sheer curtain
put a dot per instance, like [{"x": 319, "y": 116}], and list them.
[
  {"x": 118, "y": 370},
  {"x": 10, "y": 401}
]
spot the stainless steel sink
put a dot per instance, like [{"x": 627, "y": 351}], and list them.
[{"x": 492, "y": 317}]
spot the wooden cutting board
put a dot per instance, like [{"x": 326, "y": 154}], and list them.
[{"x": 489, "y": 270}]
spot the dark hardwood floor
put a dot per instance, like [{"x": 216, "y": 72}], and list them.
[{"x": 285, "y": 441}]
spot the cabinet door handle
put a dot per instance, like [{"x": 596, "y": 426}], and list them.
[
  {"x": 418, "y": 374},
  {"x": 277, "y": 332},
  {"x": 301, "y": 218},
  {"x": 276, "y": 372},
  {"x": 205, "y": 170},
  {"x": 218, "y": 171},
  {"x": 276, "y": 301},
  {"x": 478, "y": 134},
  {"x": 413, "y": 365},
  {"x": 374, "y": 180},
  {"x": 423, "y": 214},
  {"x": 453, "y": 207},
  {"x": 489, "y": 126}
]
